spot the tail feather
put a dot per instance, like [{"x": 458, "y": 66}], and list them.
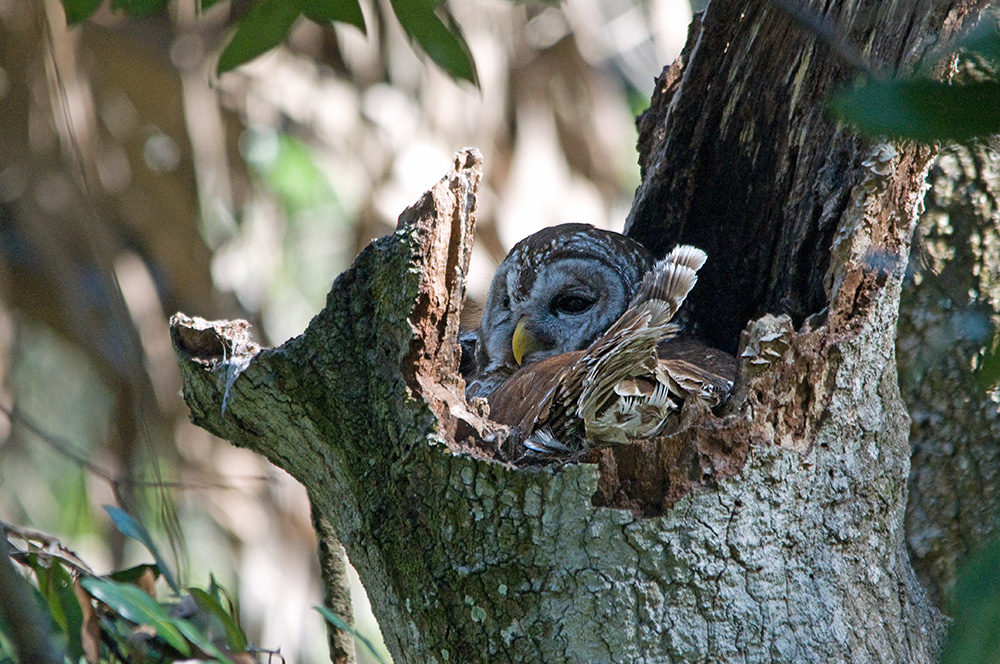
[
  {"x": 624, "y": 349},
  {"x": 667, "y": 283},
  {"x": 685, "y": 254}
]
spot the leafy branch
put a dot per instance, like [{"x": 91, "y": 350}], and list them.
[{"x": 268, "y": 22}]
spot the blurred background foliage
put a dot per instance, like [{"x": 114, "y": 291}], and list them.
[
  {"x": 136, "y": 181},
  {"x": 144, "y": 171}
]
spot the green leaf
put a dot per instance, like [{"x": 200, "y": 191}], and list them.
[
  {"x": 46, "y": 601},
  {"x": 195, "y": 636},
  {"x": 138, "y": 7},
  {"x": 973, "y": 637},
  {"x": 920, "y": 109},
  {"x": 205, "y": 5},
  {"x": 64, "y": 607},
  {"x": 989, "y": 367},
  {"x": 136, "y": 606},
  {"x": 339, "y": 623},
  {"x": 78, "y": 11},
  {"x": 340, "y": 11},
  {"x": 7, "y": 652},
  {"x": 983, "y": 39},
  {"x": 133, "y": 574},
  {"x": 234, "y": 633},
  {"x": 443, "y": 43},
  {"x": 290, "y": 169},
  {"x": 6, "y": 647},
  {"x": 265, "y": 26},
  {"x": 132, "y": 528},
  {"x": 43, "y": 574}
]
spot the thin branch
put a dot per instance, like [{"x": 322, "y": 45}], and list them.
[{"x": 73, "y": 453}]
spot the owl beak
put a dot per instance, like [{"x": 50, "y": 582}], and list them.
[{"x": 524, "y": 341}]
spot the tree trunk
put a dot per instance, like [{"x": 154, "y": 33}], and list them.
[
  {"x": 772, "y": 531},
  {"x": 950, "y": 310}
]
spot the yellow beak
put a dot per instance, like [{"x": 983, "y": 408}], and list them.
[{"x": 523, "y": 341}]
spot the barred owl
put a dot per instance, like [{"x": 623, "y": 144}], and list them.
[{"x": 576, "y": 349}]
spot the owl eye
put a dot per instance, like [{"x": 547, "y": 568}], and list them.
[{"x": 572, "y": 303}]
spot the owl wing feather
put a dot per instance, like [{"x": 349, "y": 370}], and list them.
[
  {"x": 628, "y": 384},
  {"x": 528, "y": 396},
  {"x": 625, "y": 359},
  {"x": 588, "y": 400},
  {"x": 628, "y": 349},
  {"x": 689, "y": 379},
  {"x": 685, "y": 254}
]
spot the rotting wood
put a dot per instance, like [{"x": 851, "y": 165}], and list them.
[{"x": 469, "y": 559}]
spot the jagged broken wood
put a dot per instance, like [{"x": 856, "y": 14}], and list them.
[
  {"x": 771, "y": 531},
  {"x": 467, "y": 558}
]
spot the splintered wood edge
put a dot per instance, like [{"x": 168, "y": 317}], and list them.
[
  {"x": 435, "y": 237},
  {"x": 443, "y": 224},
  {"x": 210, "y": 343},
  {"x": 438, "y": 233}
]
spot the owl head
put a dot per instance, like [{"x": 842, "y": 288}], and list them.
[{"x": 556, "y": 291}]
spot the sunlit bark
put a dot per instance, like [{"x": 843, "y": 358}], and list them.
[{"x": 772, "y": 531}]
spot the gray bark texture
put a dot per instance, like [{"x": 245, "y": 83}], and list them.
[
  {"x": 948, "y": 314},
  {"x": 337, "y": 589},
  {"x": 770, "y": 531}
]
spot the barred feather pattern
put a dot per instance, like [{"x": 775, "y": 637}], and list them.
[{"x": 618, "y": 389}]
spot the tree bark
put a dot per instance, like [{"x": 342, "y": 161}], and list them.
[
  {"x": 337, "y": 595},
  {"x": 950, "y": 311},
  {"x": 772, "y": 531}
]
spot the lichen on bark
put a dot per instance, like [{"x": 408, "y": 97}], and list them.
[
  {"x": 466, "y": 555},
  {"x": 949, "y": 311},
  {"x": 769, "y": 531}
]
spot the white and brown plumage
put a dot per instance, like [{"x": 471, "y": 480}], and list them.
[
  {"x": 619, "y": 388},
  {"x": 627, "y": 382},
  {"x": 556, "y": 291}
]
